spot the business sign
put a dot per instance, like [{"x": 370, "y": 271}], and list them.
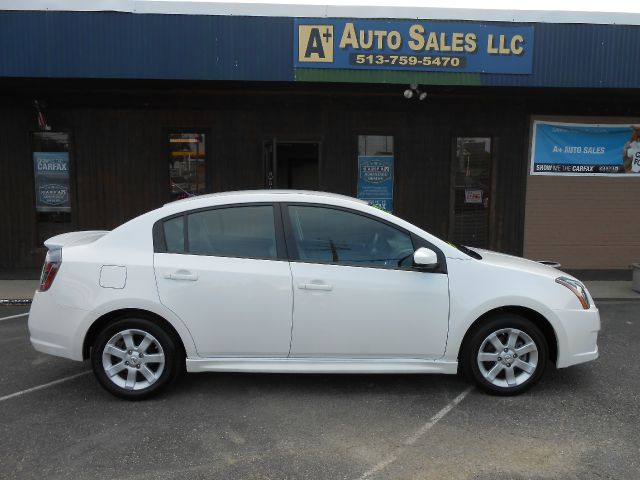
[
  {"x": 51, "y": 174},
  {"x": 585, "y": 149},
  {"x": 412, "y": 45},
  {"x": 375, "y": 180}
]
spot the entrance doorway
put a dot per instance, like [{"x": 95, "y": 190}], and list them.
[
  {"x": 292, "y": 164},
  {"x": 471, "y": 192}
]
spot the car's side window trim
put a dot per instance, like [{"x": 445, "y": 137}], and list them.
[
  {"x": 416, "y": 241},
  {"x": 160, "y": 243}
]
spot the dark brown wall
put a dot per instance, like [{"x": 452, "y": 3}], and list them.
[{"x": 120, "y": 164}]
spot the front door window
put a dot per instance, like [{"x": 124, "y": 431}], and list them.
[{"x": 328, "y": 235}]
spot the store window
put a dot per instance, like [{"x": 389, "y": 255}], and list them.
[
  {"x": 375, "y": 145},
  {"x": 51, "y": 174},
  {"x": 375, "y": 170},
  {"x": 187, "y": 163}
]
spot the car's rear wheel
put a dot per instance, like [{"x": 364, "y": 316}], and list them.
[
  {"x": 134, "y": 358},
  {"x": 506, "y": 355}
]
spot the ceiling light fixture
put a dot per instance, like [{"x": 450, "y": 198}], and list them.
[{"x": 413, "y": 90}]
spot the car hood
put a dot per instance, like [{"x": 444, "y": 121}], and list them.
[{"x": 517, "y": 263}]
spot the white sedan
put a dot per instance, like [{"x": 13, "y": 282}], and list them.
[{"x": 288, "y": 281}]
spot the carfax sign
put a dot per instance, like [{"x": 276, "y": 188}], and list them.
[
  {"x": 412, "y": 45},
  {"x": 51, "y": 174},
  {"x": 585, "y": 149},
  {"x": 375, "y": 180}
]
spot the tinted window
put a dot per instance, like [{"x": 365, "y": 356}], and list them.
[
  {"x": 336, "y": 236},
  {"x": 246, "y": 232},
  {"x": 174, "y": 235}
]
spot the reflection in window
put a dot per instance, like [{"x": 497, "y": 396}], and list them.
[
  {"x": 246, "y": 232},
  {"x": 375, "y": 145},
  {"x": 472, "y": 186},
  {"x": 174, "y": 235},
  {"x": 186, "y": 164},
  {"x": 335, "y": 236}
]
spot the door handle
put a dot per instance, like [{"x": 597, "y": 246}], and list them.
[
  {"x": 181, "y": 276},
  {"x": 315, "y": 286}
]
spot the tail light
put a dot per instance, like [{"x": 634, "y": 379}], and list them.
[{"x": 51, "y": 266}]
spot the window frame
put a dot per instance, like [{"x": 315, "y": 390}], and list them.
[
  {"x": 416, "y": 240},
  {"x": 160, "y": 244}
]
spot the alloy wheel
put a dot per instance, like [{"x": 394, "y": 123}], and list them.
[
  {"x": 507, "y": 357},
  {"x": 133, "y": 359}
]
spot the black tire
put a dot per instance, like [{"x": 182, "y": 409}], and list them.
[
  {"x": 167, "y": 347},
  {"x": 501, "y": 324}
]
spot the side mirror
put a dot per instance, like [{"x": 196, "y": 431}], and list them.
[{"x": 425, "y": 258}]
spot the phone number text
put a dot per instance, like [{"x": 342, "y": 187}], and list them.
[{"x": 406, "y": 60}]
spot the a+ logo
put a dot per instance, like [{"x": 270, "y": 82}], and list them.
[{"x": 315, "y": 43}]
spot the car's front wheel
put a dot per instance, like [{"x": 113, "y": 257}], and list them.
[
  {"x": 134, "y": 358},
  {"x": 506, "y": 355}
]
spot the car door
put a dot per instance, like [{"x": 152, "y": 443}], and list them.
[
  {"x": 224, "y": 272},
  {"x": 356, "y": 293}
]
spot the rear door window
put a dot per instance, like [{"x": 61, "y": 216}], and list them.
[{"x": 246, "y": 232}]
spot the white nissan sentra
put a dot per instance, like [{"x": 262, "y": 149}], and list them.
[{"x": 288, "y": 281}]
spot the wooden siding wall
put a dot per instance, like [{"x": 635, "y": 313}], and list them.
[
  {"x": 583, "y": 222},
  {"x": 120, "y": 164}
]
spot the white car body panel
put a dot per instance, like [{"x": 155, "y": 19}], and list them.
[
  {"x": 61, "y": 317},
  {"x": 231, "y": 300},
  {"x": 369, "y": 312}
]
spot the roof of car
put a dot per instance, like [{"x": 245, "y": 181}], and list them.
[{"x": 269, "y": 192}]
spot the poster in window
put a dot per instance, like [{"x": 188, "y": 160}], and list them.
[
  {"x": 375, "y": 180},
  {"x": 51, "y": 174}
]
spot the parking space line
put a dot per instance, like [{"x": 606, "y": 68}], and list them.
[
  {"x": 417, "y": 435},
  {"x": 14, "y": 316},
  {"x": 45, "y": 385}
]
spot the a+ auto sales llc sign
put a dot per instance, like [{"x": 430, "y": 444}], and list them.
[{"x": 413, "y": 45}]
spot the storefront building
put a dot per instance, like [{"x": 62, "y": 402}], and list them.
[{"x": 513, "y": 134}]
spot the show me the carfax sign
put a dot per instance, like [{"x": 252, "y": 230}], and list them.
[
  {"x": 413, "y": 45},
  {"x": 585, "y": 149},
  {"x": 51, "y": 175}
]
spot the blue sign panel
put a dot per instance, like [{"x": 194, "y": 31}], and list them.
[
  {"x": 375, "y": 180},
  {"x": 583, "y": 149},
  {"x": 412, "y": 45},
  {"x": 51, "y": 173}
]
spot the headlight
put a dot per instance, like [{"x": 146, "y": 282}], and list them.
[{"x": 577, "y": 288}]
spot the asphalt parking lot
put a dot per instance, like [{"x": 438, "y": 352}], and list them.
[{"x": 578, "y": 423}]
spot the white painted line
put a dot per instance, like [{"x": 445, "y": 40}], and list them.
[
  {"x": 14, "y": 316},
  {"x": 40, "y": 387},
  {"x": 417, "y": 435},
  {"x": 436, "y": 418},
  {"x": 379, "y": 466}
]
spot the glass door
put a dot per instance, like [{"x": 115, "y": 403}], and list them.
[
  {"x": 291, "y": 164},
  {"x": 471, "y": 191}
]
